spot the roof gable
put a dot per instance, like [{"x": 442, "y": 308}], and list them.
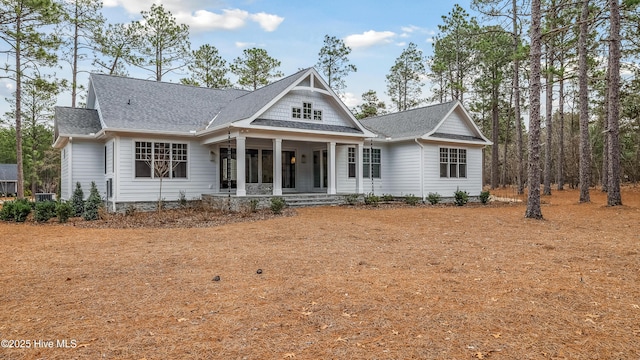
[
  {"x": 76, "y": 121},
  {"x": 427, "y": 122}
]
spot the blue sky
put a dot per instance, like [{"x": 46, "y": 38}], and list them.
[{"x": 293, "y": 32}]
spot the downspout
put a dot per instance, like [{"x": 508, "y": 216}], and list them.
[{"x": 421, "y": 168}]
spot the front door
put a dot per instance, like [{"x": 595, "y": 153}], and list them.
[{"x": 320, "y": 169}]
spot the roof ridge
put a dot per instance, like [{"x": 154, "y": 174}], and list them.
[
  {"x": 409, "y": 110},
  {"x": 167, "y": 82}
]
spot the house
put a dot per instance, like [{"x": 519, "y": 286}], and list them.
[
  {"x": 296, "y": 135},
  {"x": 8, "y": 179}
]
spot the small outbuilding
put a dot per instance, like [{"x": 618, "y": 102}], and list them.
[{"x": 8, "y": 179}]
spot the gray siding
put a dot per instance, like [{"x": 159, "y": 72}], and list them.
[
  {"x": 201, "y": 174},
  {"x": 454, "y": 124},
  {"x": 65, "y": 183},
  {"x": 447, "y": 186},
  {"x": 88, "y": 165},
  {"x": 401, "y": 169},
  {"x": 331, "y": 115}
]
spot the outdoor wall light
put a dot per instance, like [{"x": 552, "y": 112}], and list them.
[{"x": 293, "y": 160}]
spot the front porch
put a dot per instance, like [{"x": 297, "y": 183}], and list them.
[{"x": 283, "y": 167}]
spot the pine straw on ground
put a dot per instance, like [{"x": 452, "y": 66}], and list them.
[{"x": 400, "y": 282}]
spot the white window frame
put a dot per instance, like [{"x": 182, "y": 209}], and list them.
[
  {"x": 307, "y": 110},
  {"x": 368, "y": 166},
  {"x": 453, "y": 159},
  {"x": 178, "y": 152},
  {"x": 351, "y": 162},
  {"x": 296, "y": 113}
]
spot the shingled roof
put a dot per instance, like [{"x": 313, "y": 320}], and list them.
[
  {"x": 76, "y": 121},
  {"x": 410, "y": 123},
  {"x": 136, "y": 104},
  {"x": 8, "y": 172}
]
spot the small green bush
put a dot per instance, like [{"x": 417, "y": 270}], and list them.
[
  {"x": 277, "y": 205},
  {"x": 77, "y": 200},
  {"x": 44, "y": 210},
  {"x": 484, "y": 197},
  {"x": 411, "y": 200},
  {"x": 371, "y": 199},
  {"x": 64, "y": 210},
  {"x": 7, "y": 211},
  {"x": 22, "y": 209},
  {"x": 387, "y": 197},
  {"x": 93, "y": 204},
  {"x": 253, "y": 205},
  {"x": 460, "y": 197},
  {"x": 434, "y": 198},
  {"x": 351, "y": 199}
]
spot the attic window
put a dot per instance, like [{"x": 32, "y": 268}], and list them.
[
  {"x": 317, "y": 114},
  {"x": 296, "y": 113},
  {"x": 306, "y": 110}
]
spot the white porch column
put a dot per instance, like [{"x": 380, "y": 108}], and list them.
[
  {"x": 359, "y": 178},
  {"x": 331, "y": 168},
  {"x": 241, "y": 189},
  {"x": 277, "y": 166}
]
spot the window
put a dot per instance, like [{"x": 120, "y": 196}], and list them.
[
  {"x": 306, "y": 111},
  {"x": 167, "y": 160},
  {"x": 351, "y": 161},
  {"x": 317, "y": 114},
  {"x": 251, "y": 166},
  {"x": 371, "y": 163},
  {"x": 144, "y": 153},
  {"x": 228, "y": 167},
  {"x": 296, "y": 113},
  {"x": 105, "y": 159},
  {"x": 453, "y": 163},
  {"x": 267, "y": 166}
]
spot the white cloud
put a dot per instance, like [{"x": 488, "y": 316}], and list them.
[
  {"x": 369, "y": 38},
  {"x": 242, "y": 45},
  {"x": 268, "y": 22},
  {"x": 350, "y": 100},
  {"x": 229, "y": 19}
]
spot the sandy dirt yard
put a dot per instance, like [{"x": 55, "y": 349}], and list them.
[{"x": 393, "y": 282}]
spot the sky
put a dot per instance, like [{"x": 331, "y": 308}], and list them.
[{"x": 293, "y": 33}]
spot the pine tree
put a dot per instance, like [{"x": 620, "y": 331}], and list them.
[
  {"x": 208, "y": 69},
  {"x": 77, "y": 200},
  {"x": 255, "y": 68},
  {"x": 404, "y": 81},
  {"x": 334, "y": 63}
]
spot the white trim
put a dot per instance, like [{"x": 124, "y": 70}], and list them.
[{"x": 467, "y": 119}]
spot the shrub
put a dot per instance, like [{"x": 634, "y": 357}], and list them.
[
  {"x": 460, "y": 197},
  {"x": 351, "y": 199},
  {"x": 77, "y": 200},
  {"x": 64, "y": 210},
  {"x": 93, "y": 204},
  {"x": 182, "y": 198},
  {"x": 277, "y": 205},
  {"x": 387, "y": 197},
  {"x": 253, "y": 205},
  {"x": 484, "y": 197},
  {"x": 22, "y": 209},
  {"x": 433, "y": 198},
  {"x": 411, "y": 200},
  {"x": 44, "y": 210},
  {"x": 371, "y": 199},
  {"x": 7, "y": 211}
]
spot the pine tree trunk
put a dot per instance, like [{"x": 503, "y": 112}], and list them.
[
  {"x": 585, "y": 149},
  {"x": 20, "y": 182},
  {"x": 549, "y": 121},
  {"x": 74, "y": 70},
  {"x": 535, "y": 53},
  {"x": 495, "y": 127},
  {"x": 516, "y": 102},
  {"x": 560, "y": 164},
  {"x": 613, "y": 193}
]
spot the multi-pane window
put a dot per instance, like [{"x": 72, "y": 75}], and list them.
[
  {"x": 371, "y": 163},
  {"x": 453, "y": 163},
  {"x": 306, "y": 110},
  {"x": 160, "y": 159},
  {"x": 351, "y": 161}
]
